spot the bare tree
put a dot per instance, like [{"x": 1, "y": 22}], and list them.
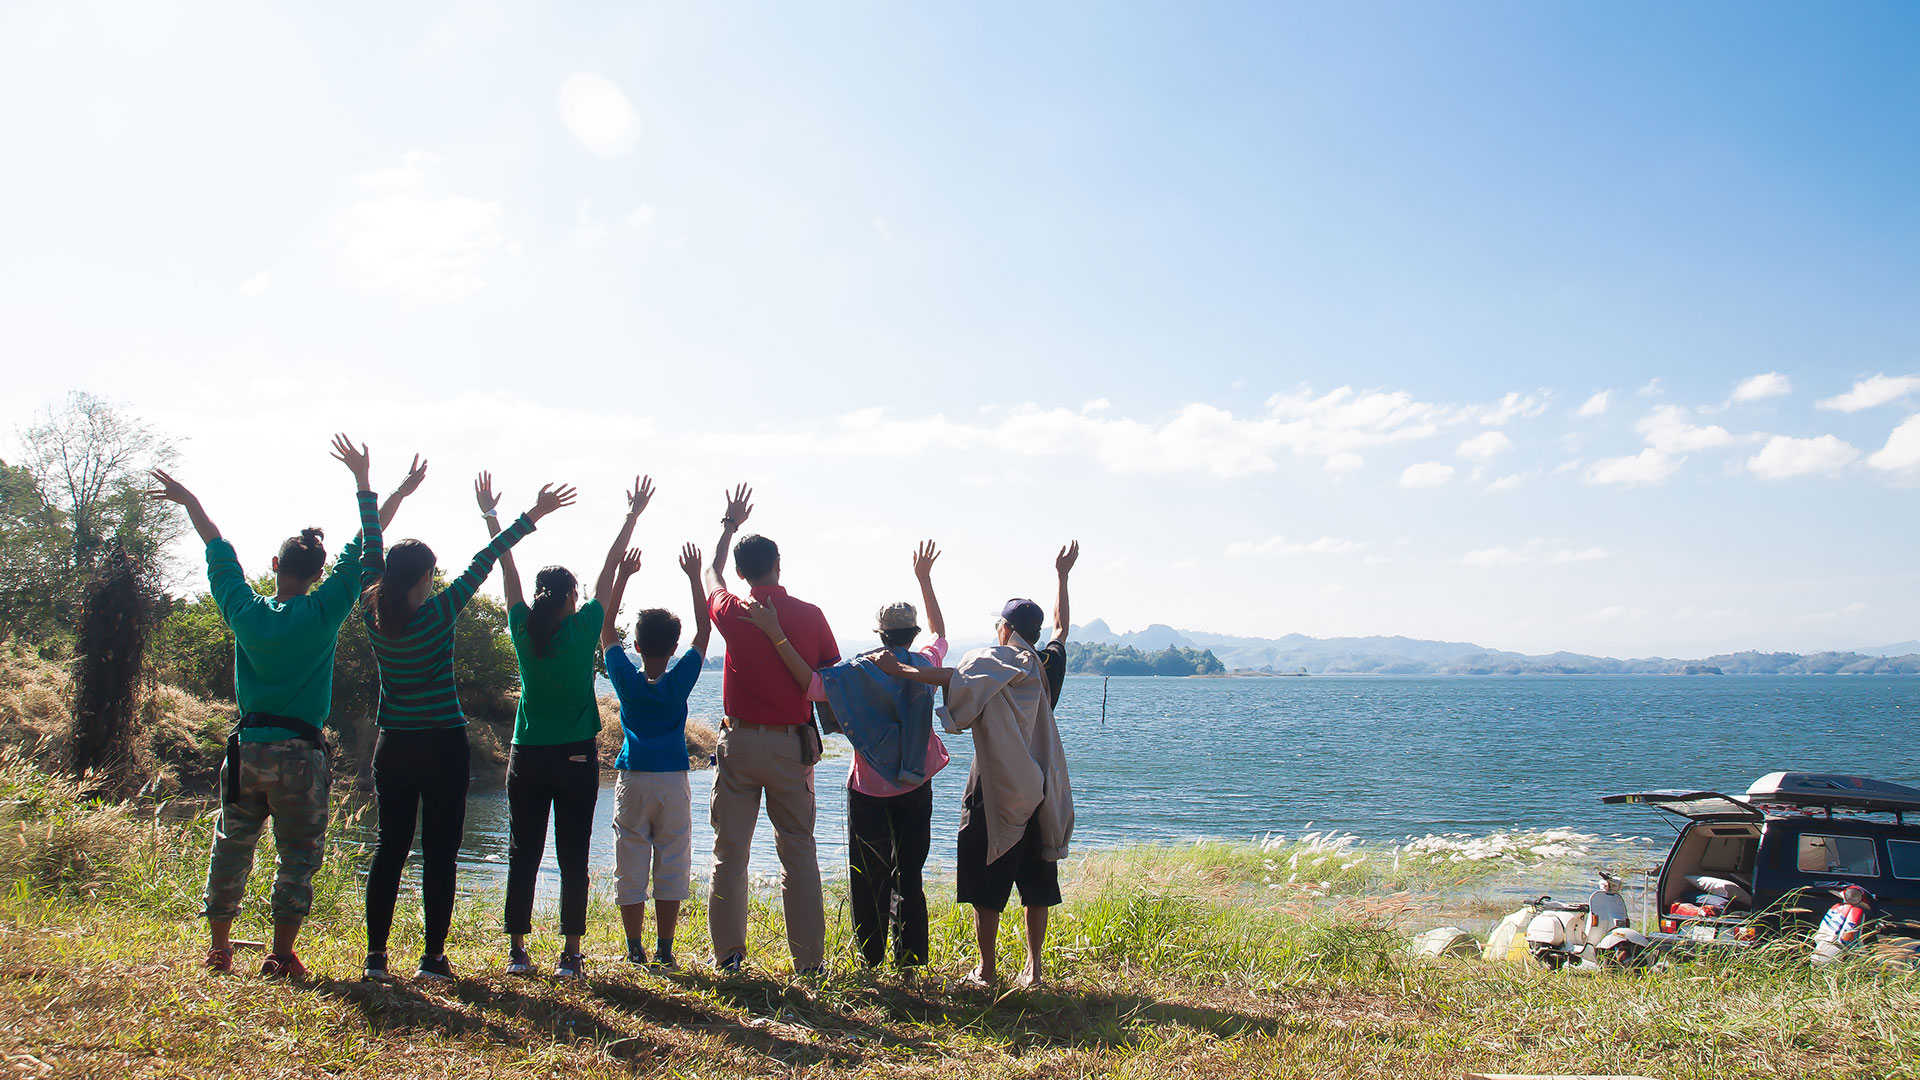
[{"x": 90, "y": 460}]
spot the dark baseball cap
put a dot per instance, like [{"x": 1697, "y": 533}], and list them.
[{"x": 1024, "y": 616}]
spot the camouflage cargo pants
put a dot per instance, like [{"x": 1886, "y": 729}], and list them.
[{"x": 287, "y": 781}]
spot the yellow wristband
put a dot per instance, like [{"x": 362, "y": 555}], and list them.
[{"x": 779, "y": 643}]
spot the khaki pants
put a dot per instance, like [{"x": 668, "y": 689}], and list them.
[{"x": 748, "y": 762}]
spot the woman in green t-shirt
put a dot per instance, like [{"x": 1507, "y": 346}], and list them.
[{"x": 554, "y": 764}]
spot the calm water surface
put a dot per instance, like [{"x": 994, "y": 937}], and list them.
[{"x": 1384, "y": 757}]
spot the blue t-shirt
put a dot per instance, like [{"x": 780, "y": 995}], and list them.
[{"x": 653, "y": 715}]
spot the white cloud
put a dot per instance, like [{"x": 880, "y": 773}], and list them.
[
  {"x": 1871, "y": 392},
  {"x": 1376, "y": 560},
  {"x": 1512, "y": 405},
  {"x": 1786, "y": 456},
  {"x": 640, "y": 216},
  {"x": 1760, "y": 387},
  {"x": 403, "y": 240},
  {"x": 1494, "y": 556},
  {"x": 1280, "y": 545},
  {"x": 1426, "y": 474},
  {"x": 1649, "y": 466},
  {"x": 598, "y": 114},
  {"x": 1485, "y": 446},
  {"x": 1561, "y": 558},
  {"x": 587, "y": 232},
  {"x": 1903, "y": 447},
  {"x": 1654, "y": 388},
  {"x": 1596, "y": 405},
  {"x": 1670, "y": 430},
  {"x": 1344, "y": 462},
  {"x": 257, "y": 284},
  {"x": 1508, "y": 482},
  {"x": 1854, "y": 608}
]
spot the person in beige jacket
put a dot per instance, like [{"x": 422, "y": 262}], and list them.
[{"x": 1017, "y": 819}]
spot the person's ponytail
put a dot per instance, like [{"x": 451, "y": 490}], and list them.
[
  {"x": 302, "y": 557},
  {"x": 551, "y": 588}
]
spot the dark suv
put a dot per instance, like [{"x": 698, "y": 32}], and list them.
[{"x": 1766, "y": 861}]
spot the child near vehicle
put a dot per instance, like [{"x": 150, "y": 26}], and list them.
[{"x": 652, "y": 797}]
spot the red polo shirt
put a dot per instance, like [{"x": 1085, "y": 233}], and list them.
[{"x": 756, "y": 687}]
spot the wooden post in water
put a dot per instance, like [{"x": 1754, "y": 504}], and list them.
[{"x": 1103, "y": 700}]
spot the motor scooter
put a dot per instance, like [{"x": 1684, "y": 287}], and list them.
[
  {"x": 1839, "y": 929},
  {"x": 1590, "y": 935}
]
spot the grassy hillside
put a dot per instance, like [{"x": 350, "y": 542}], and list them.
[{"x": 1166, "y": 962}]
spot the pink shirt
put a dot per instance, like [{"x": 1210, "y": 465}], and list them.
[{"x": 866, "y": 779}]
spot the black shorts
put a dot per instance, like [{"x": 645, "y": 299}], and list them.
[{"x": 989, "y": 884}]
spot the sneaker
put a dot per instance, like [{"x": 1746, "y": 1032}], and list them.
[
  {"x": 283, "y": 967},
  {"x": 733, "y": 963},
  {"x": 572, "y": 965},
  {"x": 220, "y": 960},
  {"x": 518, "y": 962},
  {"x": 435, "y": 969},
  {"x": 663, "y": 959},
  {"x": 637, "y": 955},
  {"x": 813, "y": 971},
  {"x": 376, "y": 970}
]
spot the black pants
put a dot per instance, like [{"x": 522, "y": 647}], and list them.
[
  {"x": 420, "y": 774},
  {"x": 565, "y": 777},
  {"x": 887, "y": 840}
]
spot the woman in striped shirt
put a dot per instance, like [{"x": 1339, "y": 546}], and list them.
[{"x": 420, "y": 763}]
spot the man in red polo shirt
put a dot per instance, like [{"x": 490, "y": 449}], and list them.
[{"x": 768, "y": 744}]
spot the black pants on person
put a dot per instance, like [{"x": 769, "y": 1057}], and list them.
[
  {"x": 566, "y": 778},
  {"x": 887, "y": 841},
  {"x": 420, "y": 774}
]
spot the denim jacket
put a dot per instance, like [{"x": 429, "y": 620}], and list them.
[{"x": 887, "y": 720}]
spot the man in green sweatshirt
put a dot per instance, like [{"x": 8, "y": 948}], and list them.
[{"x": 276, "y": 764}]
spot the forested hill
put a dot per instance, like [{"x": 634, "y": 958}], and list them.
[
  {"x": 1102, "y": 659},
  {"x": 1299, "y": 654}
]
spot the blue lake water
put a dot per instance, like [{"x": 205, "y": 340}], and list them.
[{"x": 1380, "y": 756}]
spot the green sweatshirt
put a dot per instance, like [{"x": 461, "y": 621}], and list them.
[
  {"x": 283, "y": 649},
  {"x": 557, "y": 699}
]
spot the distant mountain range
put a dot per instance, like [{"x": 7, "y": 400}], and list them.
[{"x": 1296, "y": 653}]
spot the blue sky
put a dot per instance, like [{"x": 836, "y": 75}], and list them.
[{"x": 1289, "y": 313}]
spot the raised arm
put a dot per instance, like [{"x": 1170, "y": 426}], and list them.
[
  {"x": 1063, "y": 565},
  {"x": 739, "y": 505},
  {"x": 702, "y": 618},
  {"x": 489, "y": 501},
  {"x": 622, "y": 570},
  {"x": 462, "y": 589},
  {"x": 924, "y": 557},
  {"x": 173, "y": 491},
  {"x": 367, "y": 550},
  {"x": 768, "y": 620},
  {"x": 410, "y": 483},
  {"x": 637, "y": 500}
]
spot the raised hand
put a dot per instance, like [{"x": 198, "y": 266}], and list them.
[
  {"x": 629, "y": 563},
  {"x": 410, "y": 483},
  {"x": 764, "y": 617},
  {"x": 924, "y": 557},
  {"x": 170, "y": 490},
  {"x": 483, "y": 492},
  {"x": 551, "y": 498},
  {"x": 1067, "y": 557},
  {"x": 889, "y": 663},
  {"x": 690, "y": 562},
  {"x": 739, "y": 505},
  {"x": 640, "y": 496},
  {"x": 358, "y": 461}
]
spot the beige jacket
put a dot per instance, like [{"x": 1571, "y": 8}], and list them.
[{"x": 1000, "y": 693}]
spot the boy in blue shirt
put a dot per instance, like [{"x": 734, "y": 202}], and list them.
[{"x": 652, "y": 799}]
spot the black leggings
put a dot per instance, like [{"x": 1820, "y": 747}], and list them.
[
  {"x": 420, "y": 773},
  {"x": 565, "y": 777},
  {"x": 887, "y": 841}
]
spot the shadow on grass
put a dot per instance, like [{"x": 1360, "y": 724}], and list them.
[
  {"x": 1042, "y": 1018},
  {"x": 776, "y": 1004}
]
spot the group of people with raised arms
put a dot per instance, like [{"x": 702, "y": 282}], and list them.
[{"x": 782, "y": 669}]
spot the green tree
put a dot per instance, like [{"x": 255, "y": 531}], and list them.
[{"x": 34, "y": 582}]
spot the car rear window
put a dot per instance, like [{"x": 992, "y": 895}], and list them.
[
  {"x": 1729, "y": 854},
  {"x": 1905, "y": 857},
  {"x": 1845, "y": 856}
]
